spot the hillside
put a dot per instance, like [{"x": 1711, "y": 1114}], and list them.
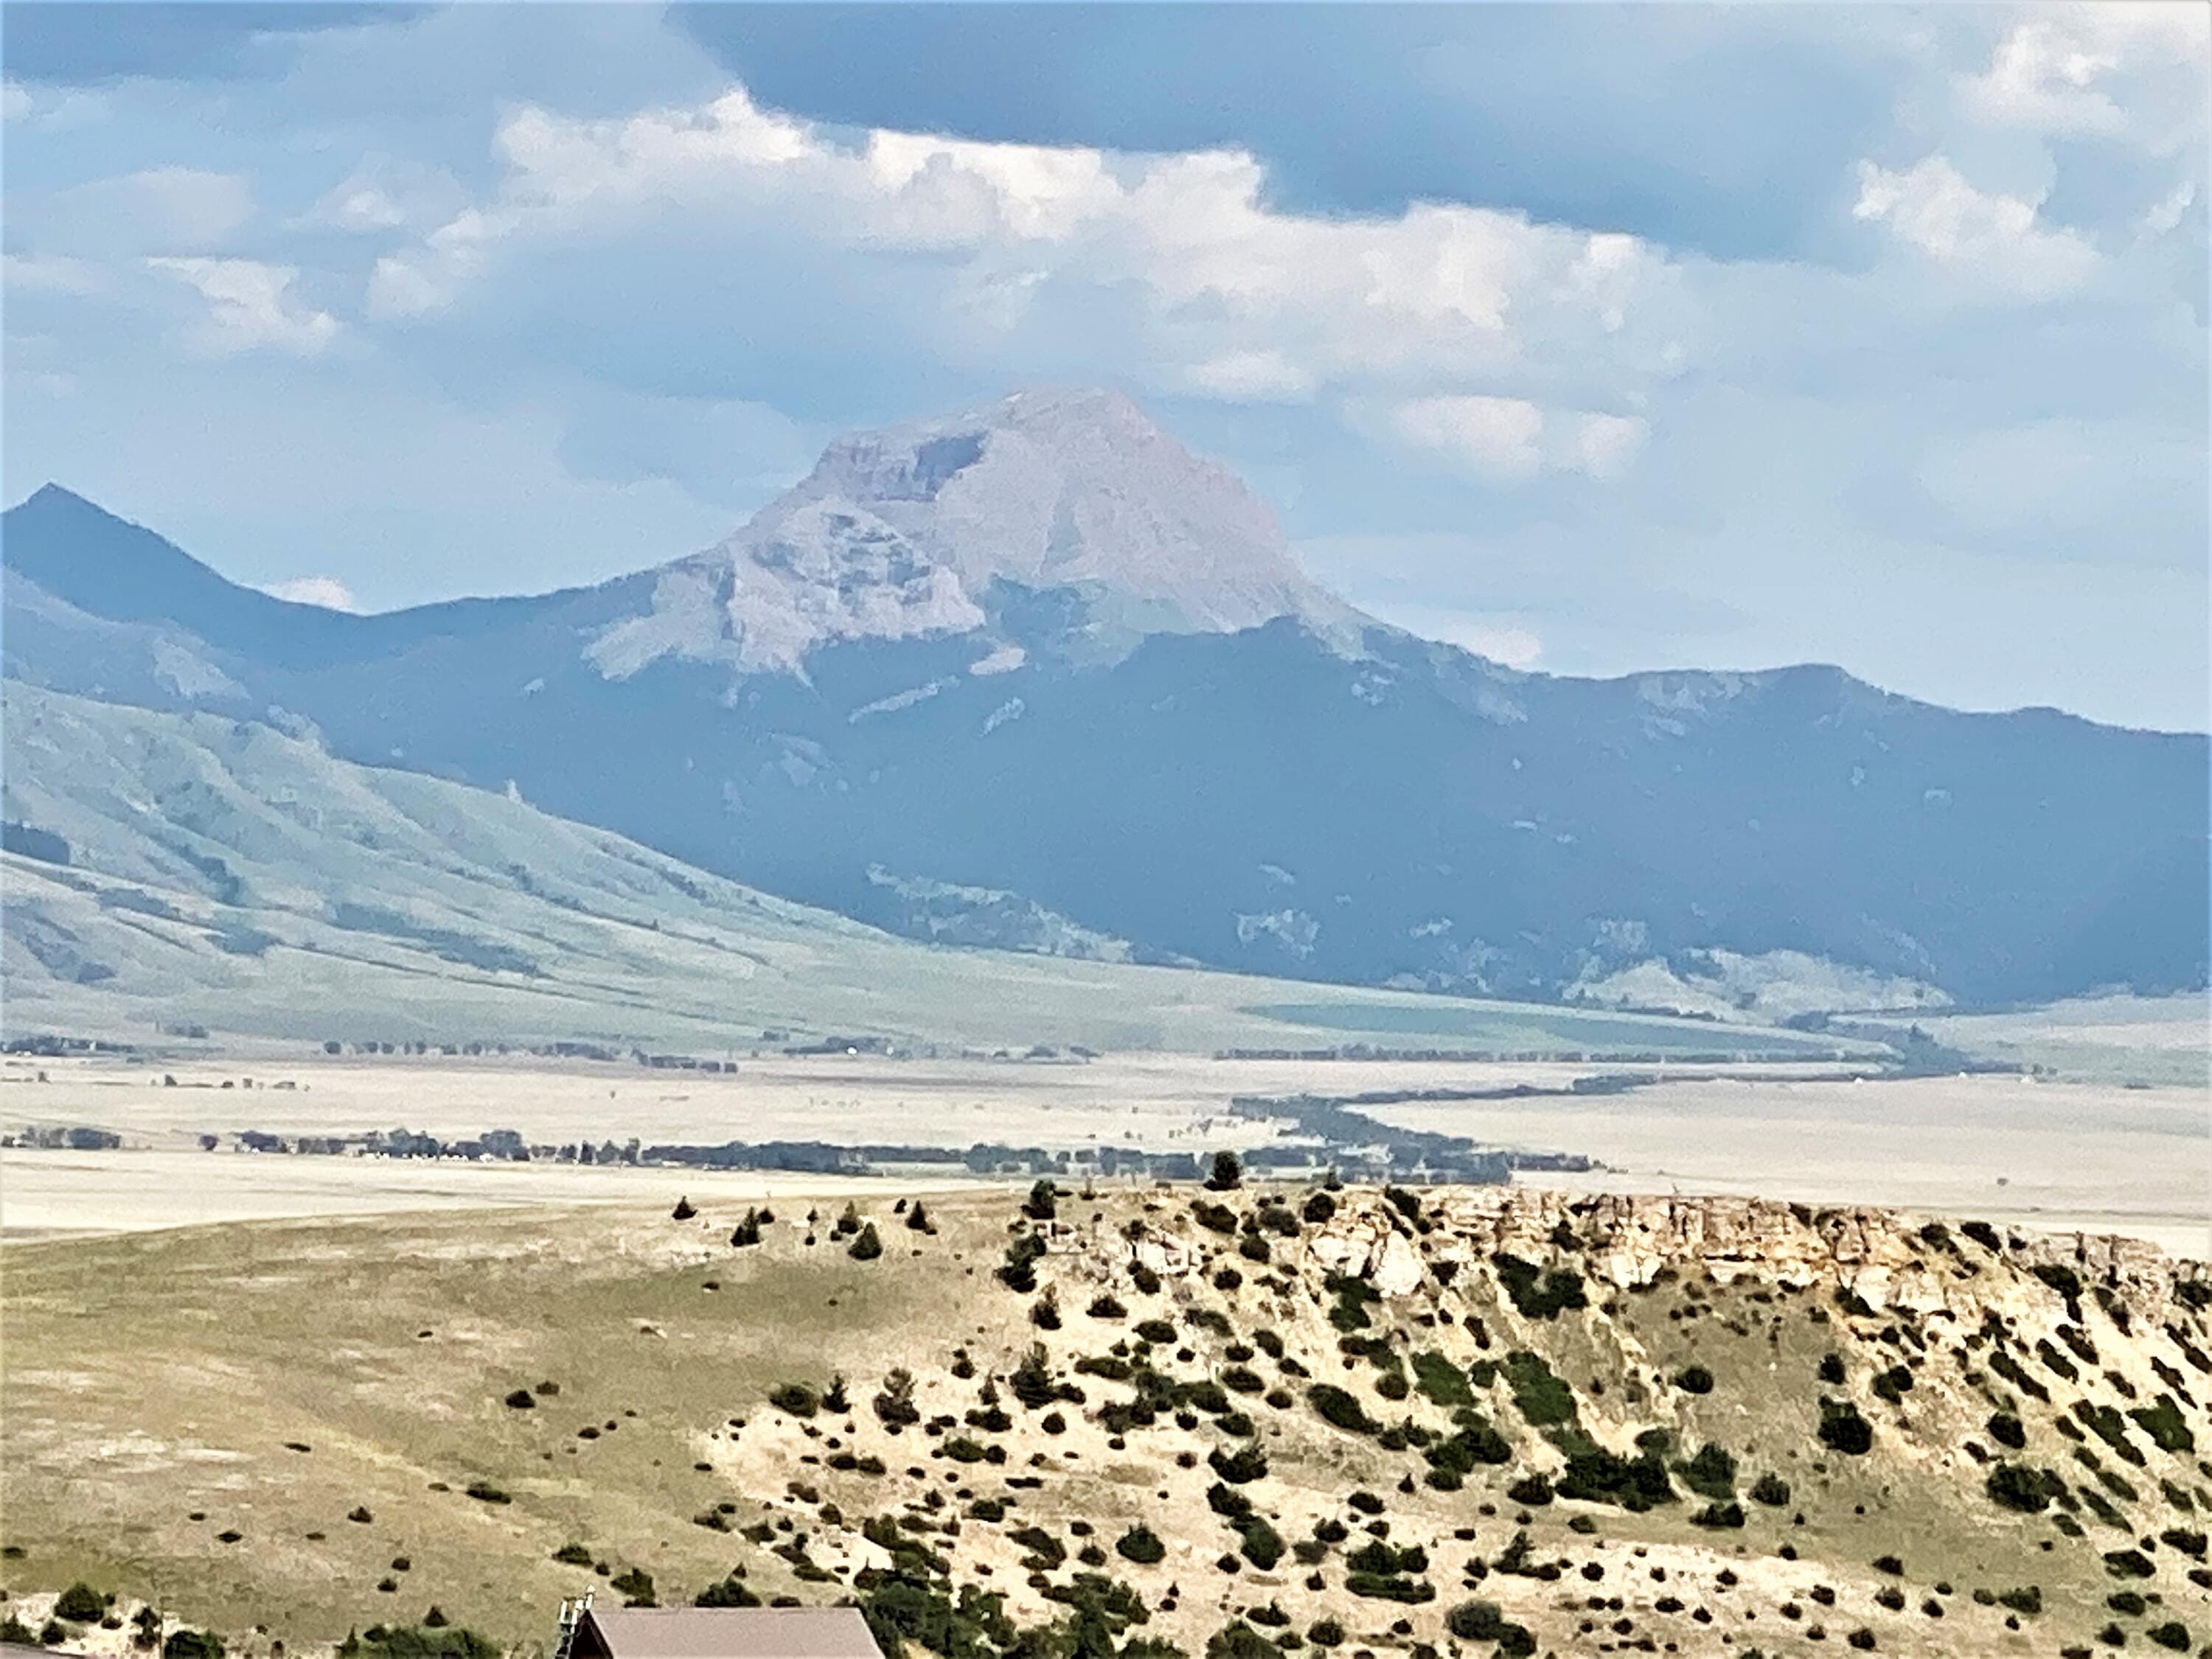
[
  {"x": 1244, "y": 1423},
  {"x": 217, "y": 874},
  {"x": 1037, "y": 659}
]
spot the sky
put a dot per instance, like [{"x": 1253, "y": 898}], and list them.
[{"x": 1595, "y": 338}]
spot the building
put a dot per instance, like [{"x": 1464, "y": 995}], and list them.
[{"x": 715, "y": 1633}]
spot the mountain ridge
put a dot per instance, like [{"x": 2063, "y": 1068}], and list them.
[{"x": 1316, "y": 794}]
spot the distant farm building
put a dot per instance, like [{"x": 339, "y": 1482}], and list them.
[{"x": 718, "y": 1634}]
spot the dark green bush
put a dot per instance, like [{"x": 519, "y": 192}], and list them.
[
  {"x": 1694, "y": 1379},
  {"x": 1441, "y": 1380},
  {"x": 1142, "y": 1544},
  {"x": 728, "y": 1593},
  {"x": 1543, "y": 1398},
  {"x": 1342, "y": 1409},
  {"x": 1842, "y": 1428},
  {"x": 2164, "y": 1424},
  {"x": 796, "y": 1398},
  {"x": 2016, "y": 1486},
  {"x": 80, "y": 1604},
  {"x": 1539, "y": 1293}
]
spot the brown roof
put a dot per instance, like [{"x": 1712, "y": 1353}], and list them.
[{"x": 729, "y": 1633}]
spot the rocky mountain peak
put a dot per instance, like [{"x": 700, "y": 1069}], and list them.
[{"x": 901, "y": 530}]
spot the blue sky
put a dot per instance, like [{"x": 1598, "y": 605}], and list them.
[{"x": 1593, "y": 337}]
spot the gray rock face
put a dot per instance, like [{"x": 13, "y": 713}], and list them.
[{"x": 901, "y": 532}]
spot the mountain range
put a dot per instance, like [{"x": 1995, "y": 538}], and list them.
[{"x": 1033, "y": 676}]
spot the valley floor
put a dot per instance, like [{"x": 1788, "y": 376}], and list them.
[{"x": 2046, "y": 1156}]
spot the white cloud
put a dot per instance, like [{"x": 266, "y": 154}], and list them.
[
  {"x": 1509, "y": 439},
  {"x": 1226, "y": 295},
  {"x": 2107, "y": 68},
  {"x": 50, "y": 109},
  {"x": 1606, "y": 446},
  {"x": 1251, "y": 377},
  {"x": 1495, "y": 438},
  {"x": 327, "y": 591},
  {"x": 159, "y": 210},
  {"x": 383, "y": 194},
  {"x": 250, "y": 306},
  {"x": 1993, "y": 239},
  {"x": 47, "y": 273}
]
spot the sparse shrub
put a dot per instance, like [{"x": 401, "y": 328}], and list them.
[
  {"x": 1842, "y": 1428},
  {"x": 683, "y": 1212},
  {"x": 1711, "y": 1473},
  {"x": 520, "y": 1399},
  {"x": 727, "y": 1593},
  {"x": 2172, "y": 1635},
  {"x": 1342, "y": 1409},
  {"x": 2018, "y": 1488},
  {"x": 484, "y": 1493},
  {"x": 1539, "y": 1293},
  {"x": 80, "y": 1604},
  {"x": 1442, "y": 1380},
  {"x": 1019, "y": 1271},
  {"x": 2164, "y": 1424},
  {"x": 1319, "y": 1209},
  {"x": 1226, "y": 1174},
  {"x": 1544, "y": 1399},
  {"x": 1247, "y": 1463},
  {"x": 572, "y": 1555},
  {"x": 1729, "y": 1514},
  {"x": 1832, "y": 1368},
  {"x": 795, "y": 1398},
  {"x": 633, "y": 1585},
  {"x": 191, "y": 1644},
  {"x": 1041, "y": 1204},
  {"x": 1105, "y": 1307},
  {"x": 1142, "y": 1545},
  {"x": 1258, "y": 1542},
  {"x": 1771, "y": 1490},
  {"x": 1694, "y": 1379},
  {"x": 894, "y": 1404},
  {"x": 2007, "y": 1430},
  {"x": 1214, "y": 1217}
]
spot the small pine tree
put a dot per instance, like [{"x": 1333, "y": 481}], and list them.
[
  {"x": 866, "y": 1245},
  {"x": 683, "y": 1212},
  {"x": 917, "y": 1219},
  {"x": 1227, "y": 1173}
]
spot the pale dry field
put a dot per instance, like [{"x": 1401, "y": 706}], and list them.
[
  {"x": 2052, "y": 1157},
  {"x": 2055, "y": 1157},
  {"x": 1160, "y": 1101}
]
